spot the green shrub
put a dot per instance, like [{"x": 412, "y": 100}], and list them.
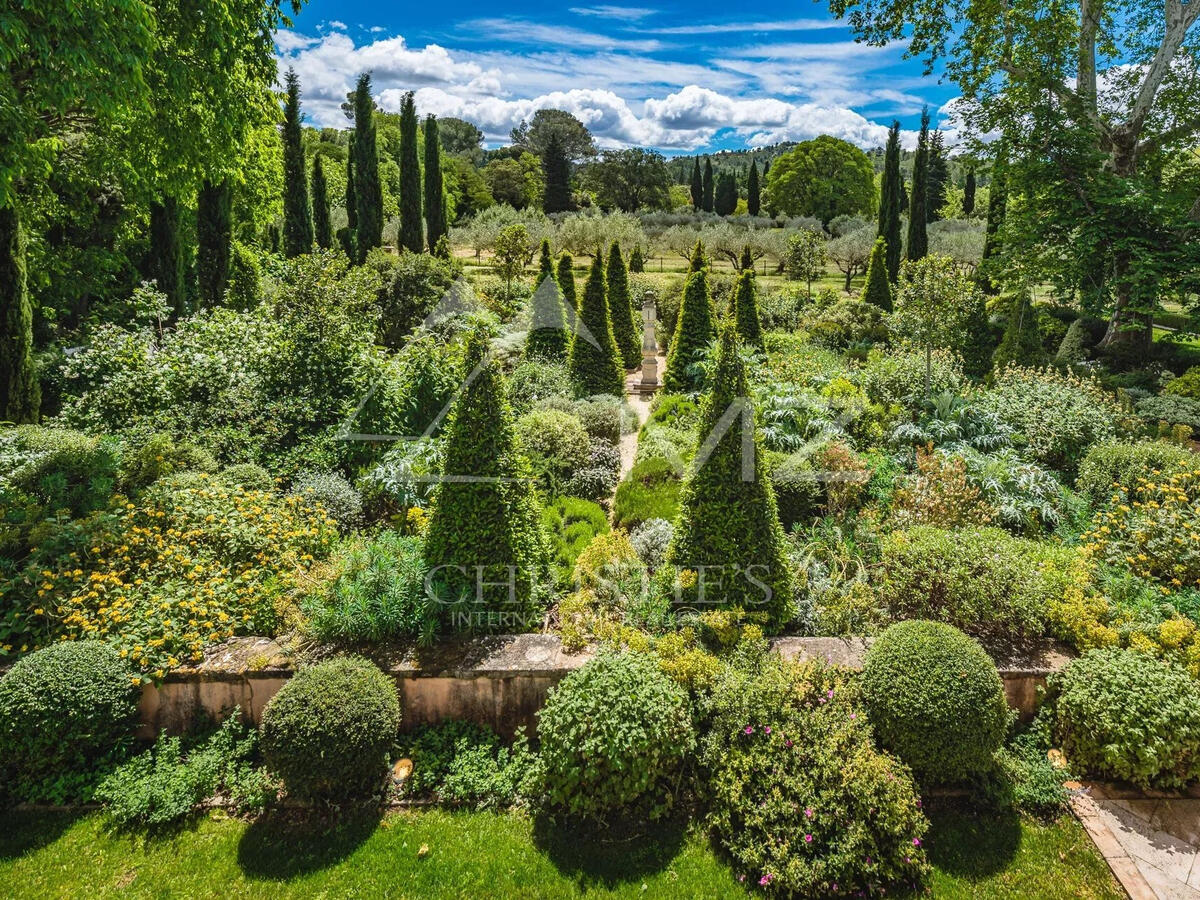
[
  {"x": 555, "y": 443},
  {"x": 334, "y": 494},
  {"x": 1110, "y": 464},
  {"x": 376, "y": 591},
  {"x": 244, "y": 289},
  {"x": 977, "y": 579},
  {"x": 465, "y": 763},
  {"x": 535, "y": 380},
  {"x": 1186, "y": 385},
  {"x": 649, "y": 491},
  {"x": 571, "y": 524},
  {"x": 159, "y": 456},
  {"x": 605, "y": 418},
  {"x": 328, "y": 731},
  {"x": 63, "y": 470},
  {"x": 797, "y": 795},
  {"x": 692, "y": 335},
  {"x": 1075, "y": 345},
  {"x": 1173, "y": 409},
  {"x": 935, "y": 700},
  {"x": 63, "y": 711},
  {"x": 1124, "y": 714},
  {"x": 614, "y": 734},
  {"x": 651, "y": 540},
  {"x": 897, "y": 376},
  {"x": 413, "y": 285},
  {"x": 799, "y": 495}
]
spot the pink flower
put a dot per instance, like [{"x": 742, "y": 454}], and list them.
[
  {"x": 766, "y": 729},
  {"x": 918, "y": 803},
  {"x": 766, "y": 879},
  {"x": 853, "y": 716},
  {"x": 741, "y": 877},
  {"x": 829, "y": 693},
  {"x": 749, "y": 729},
  {"x": 808, "y": 812},
  {"x": 808, "y": 839},
  {"x": 788, "y": 743},
  {"x": 916, "y": 842}
]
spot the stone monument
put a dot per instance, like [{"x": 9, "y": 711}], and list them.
[{"x": 649, "y": 383}]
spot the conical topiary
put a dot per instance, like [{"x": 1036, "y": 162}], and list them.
[
  {"x": 566, "y": 281},
  {"x": 878, "y": 291},
  {"x": 545, "y": 261},
  {"x": 745, "y": 310},
  {"x": 484, "y": 545},
  {"x": 1022, "y": 341},
  {"x": 698, "y": 260},
  {"x": 549, "y": 336},
  {"x": 728, "y": 548},
  {"x": 978, "y": 346},
  {"x": 637, "y": 262},
  {"x": 693, "y": 333},
  {"x": 595, "y": 362},
  {"x": 620, "y": 308}
]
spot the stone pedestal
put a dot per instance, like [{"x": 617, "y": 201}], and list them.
[{"x": 649, "y": 382}]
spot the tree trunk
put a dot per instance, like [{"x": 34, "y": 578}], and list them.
[{"x": 1127, "y": 327}]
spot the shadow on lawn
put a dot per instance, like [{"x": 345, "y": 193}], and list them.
[
  {"x": 26, "y": 831},
  {"x": 611, "y": 854},
  {"x": 282, "y": 845},
  {"x": 972, "y": 842}
]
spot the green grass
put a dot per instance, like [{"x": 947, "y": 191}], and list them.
[{"x": 490, "y": 855}]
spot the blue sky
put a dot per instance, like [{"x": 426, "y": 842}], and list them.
[{"x": 679, "y": 77}]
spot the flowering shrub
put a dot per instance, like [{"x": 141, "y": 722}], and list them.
[
  {"x": 798, "y": 796},
  {"x": 939, "y": 493},
  {"x": 196, "y": 562},
  {"x": 1108, "y": 464}
]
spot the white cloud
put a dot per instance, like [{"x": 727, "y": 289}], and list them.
[
  {"x": 289, "y": 41},
  {"x": 621, "y": 13},
  {"x": 337, "y": 26},
  {"x": 550, "y": 37},
  {"x": 751, "y": 27}
]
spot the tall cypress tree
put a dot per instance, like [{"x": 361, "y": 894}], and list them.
[
  {"x": 620, "y": 307},
  {"x": 548, "y": 334},
  {"x": 595, "y": 361},
  {"x": 697, "y": 260},
  {"x": 725, "y": 201},
  {"x": 297, "y": 218},
  {"x": 997, "y": 209},
  {"x": 745, "y": 310},
  {"x": 693, "y": 332},
  {"x": 918, "y": 237},
  {"x": 891, "y": 187},
  {"x": 411, "y": 237},
  {"x": 1022, "y": 341},
  {"x": 435, "y": 199},
  {"x": 728, "y": 520},
  {"x": 322, "y": 229},
  {"x": 20, "y": 391},
  {"x": 977, "y": 345},
  {"x": 556, "y": 168},
  {"x": 484, "y": 541},
  {"x": 753, "y": 190},
  {"x": 165, "y": 264},
  {"x": 707, "y": 199},
  {"x": 214, "y": 240},
  {"x": 878, "y": 290},
  {"x": 938, "y": 178},
  {"x": 566, "y": 281},
  {"x": 348, "y": 236},
  {"x": 697, "y": 186},
  {"x": 545, "y": 261},
  {"x": 368, "y": 192},
  {"x": 969, "y": 193}
]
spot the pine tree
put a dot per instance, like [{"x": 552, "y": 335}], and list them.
[
  {"x": 725, "y": 201},
  {"x": 693, "y": 333},
  {"x": 698, "y": 260},
  {"x": 20, "y": 391},
  {"x": 697, "y": 186},
  {"x": 484, "y": 544},
  {"x": 753, "y": 190},
  {"x": 745, "y": 310},
  {"x": 595, "y": 361},
  {"x": 548, "y": 333},
  {"x": 728, "y": 530},
  {"x": 1022, "y": 341},
  {"x": 620, "y": 307},
  {"x": 891, "y": 187},
  {"x": 977, "y": 345},
  {"x": 707, "y": 199},
  {"x": 165, "y": 265},
  {"x": 566, "y": 281},
  {"x": 368, "y": 192},
  {"x": 435, "y": 198},
  {"x": 322, "y": 229},
  {"x": 997, "y": 209},
  {"x": 918, "y": 238},
  {"x": 878, "y": 289},
  {"x": 937, "y": 178},
  {"x": 410, "y": 234},
  {"x": 968, "y": 202},
  {"x": 556, "y": 168},
  {"x": 214, "y": 240},
  {"x": 297, "y": 218},
  {"x": 637, "y": 262}
]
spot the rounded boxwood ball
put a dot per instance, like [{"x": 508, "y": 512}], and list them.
[
  {"x": 328, "y": 731},
  {"x": 935, "y": 700},
  {"x": 64, "y": 707}
]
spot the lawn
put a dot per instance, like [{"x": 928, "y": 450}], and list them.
[{"x": 434, "y": 854}]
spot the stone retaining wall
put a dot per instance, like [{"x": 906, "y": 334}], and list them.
[{"x": 500, "y": 681}]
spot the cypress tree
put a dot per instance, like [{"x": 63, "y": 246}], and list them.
[
  {"x": 297, "y": 218},
  {"x": 566, "y": 281},
  {"x": 368, "y": 192},
  {"x": 620, "y": 307},
  {"x": 693, "y": 332},
  {"x": 997, "y": 209},
  {"x": 165, "y": 263},
  {"x": 977, "y": 344},
  {"x": 698, "y": 260},
  {"x": 753, "y": 190},
  {"x": 556, "y": 168},
  {"x": 214, "y": 240},
  {"x": 745, "y": 310},
  {"x": 891, "y": 187},
  {"x": 1022, "y": 341},
  {"x": 903, "y": 192},
  {"x": 969, "y": 193},
  {"x": 322, "y": 229},
  {"x": 725, "y": 201},
  {"x": 548, "y": 333},
  {"x": 697, "y": 186},
  {"x": 435, "y": 198},
  {"x": 938, "y": 179},
  {"x": 347, "y": 236},
  {"x": 410, "y": 236},
  {"x": 728, "y": 520},
  {"x": 707, "y": 200},
  {"x": 595, "y": 361},
  {"x": 918, "y": 238},
  {"x": 877, "y": 289},
  {"x": 637, "y": 262},
  {"x": 484, "y": 544},
  {"x": 20, "y": 391}
]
